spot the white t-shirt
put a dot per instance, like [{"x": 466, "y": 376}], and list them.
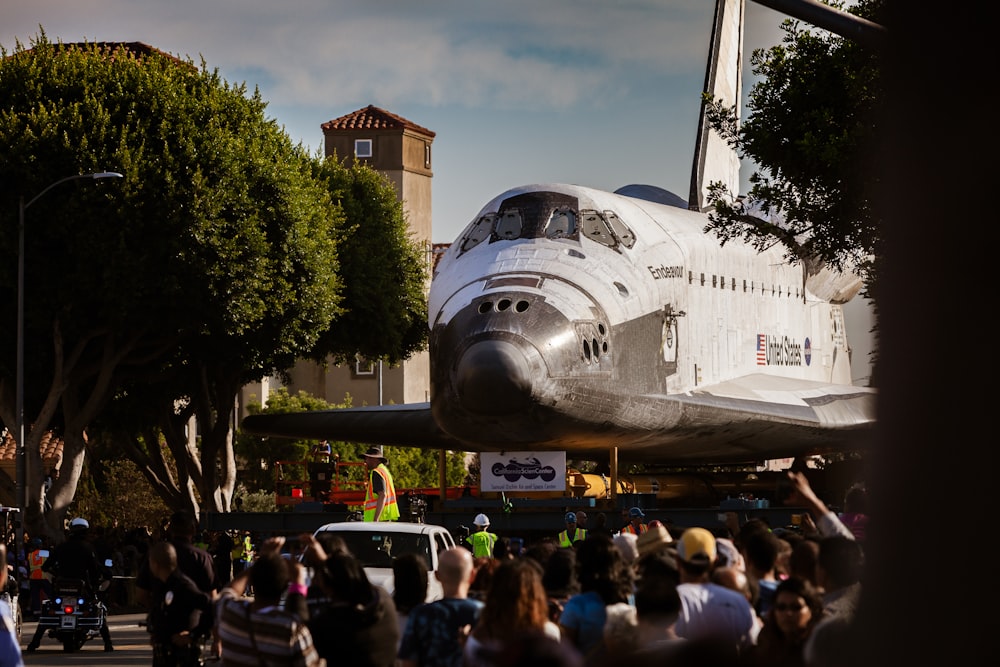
[{"x": 710, "y": 610}]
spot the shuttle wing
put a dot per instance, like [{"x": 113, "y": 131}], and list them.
[{"x": 751, "y": 418}]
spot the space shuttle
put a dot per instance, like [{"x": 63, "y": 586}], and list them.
[{"x": 566, "y": 318}]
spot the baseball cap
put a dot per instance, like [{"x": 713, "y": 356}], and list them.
[
  {"x": 636, "y": 512},
  {"x": 697, "y": 545},
  {"x": 570, "y": 517}
]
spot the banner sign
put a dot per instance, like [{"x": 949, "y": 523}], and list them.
[{"x": 522, "y": 471}]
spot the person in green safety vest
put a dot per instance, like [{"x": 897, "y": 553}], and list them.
[
  {"x": 481, "y": 541},
  {"x": 572, "y": 534},
  {"x": 380, "y": 493}
]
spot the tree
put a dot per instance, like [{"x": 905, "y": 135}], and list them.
[
  {"x": 385, "y": 271},
  {"x": 812, "y": 129},
  {"x": 211, "y": 263}
]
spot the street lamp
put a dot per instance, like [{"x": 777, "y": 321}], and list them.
[{"x": 21, "y": 471}]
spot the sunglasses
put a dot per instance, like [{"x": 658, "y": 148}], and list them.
[{"x": 794, "y": 608}]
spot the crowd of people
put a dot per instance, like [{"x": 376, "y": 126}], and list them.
[{"x": 747, "y": 595}]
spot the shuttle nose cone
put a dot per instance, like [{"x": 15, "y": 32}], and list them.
[{"x": 492, "y": 378}]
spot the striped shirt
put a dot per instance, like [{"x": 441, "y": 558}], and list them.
[{"x": 266, "y": 637}]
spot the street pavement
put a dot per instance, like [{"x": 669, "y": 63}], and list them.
[{"x": 130, "y": 639}]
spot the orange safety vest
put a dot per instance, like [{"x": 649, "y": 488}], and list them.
[
  {"x": 35, "y": 562},
  {"x": 629, "y": 528},
  {"x": 390, "y": 510}
]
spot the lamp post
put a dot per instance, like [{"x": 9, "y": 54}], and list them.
[{"x": 21, "y": 469}]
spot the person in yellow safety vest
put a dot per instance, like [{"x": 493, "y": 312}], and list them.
[
  {"x": 380, "y": 494},
  {"x": 481, "y": 541},
  {"x": 635, "y": 524},
  {"x": 572, "y": 534},
  {"x": 39, "y": 583}
]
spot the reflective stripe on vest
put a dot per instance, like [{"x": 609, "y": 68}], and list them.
[
  {"x": 631, "y": 529},
  {"x": 564, "y": 541},
  {"x": 390, "y": 510},
  {"x": 482, "y": 543},
  {"x": 35, "y": 562}
]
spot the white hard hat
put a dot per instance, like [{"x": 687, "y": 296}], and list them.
[{"x": 481, "y": 520}]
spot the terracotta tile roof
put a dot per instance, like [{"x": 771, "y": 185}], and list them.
[
  {"x": 373, "y": 118},
  {"x": 51, "y": 448}
]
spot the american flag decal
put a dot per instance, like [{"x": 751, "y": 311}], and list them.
[{"x": 762, "y": 349}]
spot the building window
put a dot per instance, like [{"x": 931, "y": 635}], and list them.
[
  {"x": 427, "y": 155},
  {"x": 363, "y": 366},
  {"x": 362, "y": 148}
]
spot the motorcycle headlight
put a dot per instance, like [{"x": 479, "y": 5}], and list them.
[
  {"x": 80, "y": 602},
  {"x": 58, "y": 600}
]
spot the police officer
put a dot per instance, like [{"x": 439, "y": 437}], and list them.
[
  {"x": 76, "y": 559},
  {"x": 180, "y": 616},
  {"x": 482, "y": 542}
]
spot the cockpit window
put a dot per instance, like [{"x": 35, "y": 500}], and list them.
[
  {"x": 479, "y": 232},
  {"x": 620, "y": 229},
  {"x": 562, "y": 223},
  {"x": 509, "y": 225},
  {"x": 548, "y": 215},
  {"x": 596, "y": 229}
]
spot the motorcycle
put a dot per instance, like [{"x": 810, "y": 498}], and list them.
[{"x": 73, "y": 615}]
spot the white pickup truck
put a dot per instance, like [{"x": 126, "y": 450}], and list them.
[{"x": 377, "y": 543}]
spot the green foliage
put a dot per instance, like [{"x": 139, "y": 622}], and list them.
[
  {"x": 385, "y": 272},
  {"x": 813, "y": 129},
  {"x": 120, "y": 496},
  {"x": 254, "y": 501},
  {"x": 410, "y": 467}
]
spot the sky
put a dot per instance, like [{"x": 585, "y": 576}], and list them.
[{"x": 591, "y": 92}]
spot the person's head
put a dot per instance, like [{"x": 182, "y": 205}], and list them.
[
  {"x": 797, "y": 608},
  {"x": 696, "y": 554},
  {"x": 78, "y": 528},
  {"x": 734, "y": 579},
  {"x": 162, "y": 560},
  {"x": 182, "y": 526},
  {"x": 342, "y": 578},
  {"x": 761, "y": 553},
  {"x": 409, "y": 574},
  {"x": 856, "y": 500},
  {"x": 570, "y": 520},
  {"x": 373, "y": 457},
  {"x": 559, "y": 578},
  {"x": 482, "y": 576},
  {"x": 805, "y": 556},
  {"x": 621, "y": 628},
  {"x": 455, "y": 567},
  {"x": 654, "y": 541},
  {"x": 627, "y": 544},
  {"x": 515, "y": 602},
  {"x": 269, "y": 578},
  {"x": 636, "y": 515},
  {"x": 840, "y": 564},
  {"x": 581, "y": 519},
  {"x": 481, "y": 522},
  {"x": 600, "y": 567}
]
